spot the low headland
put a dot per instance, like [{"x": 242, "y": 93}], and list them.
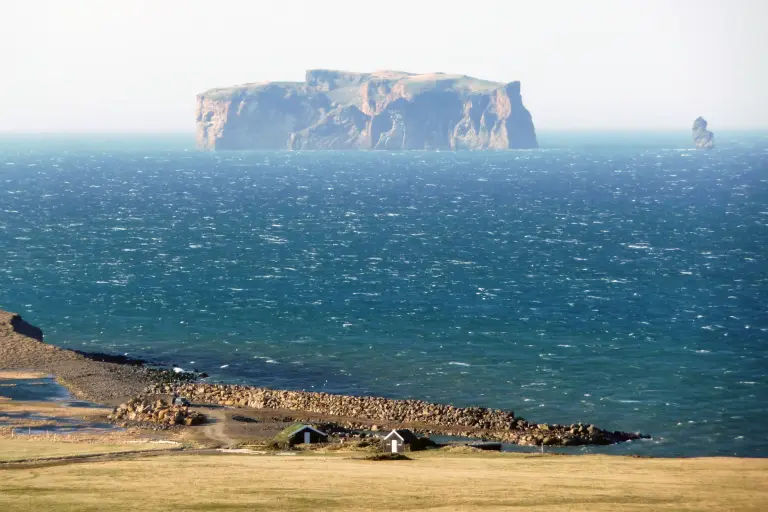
[
  {"x": 144, "y": 395},
  {"x": 130, "y": 442}
]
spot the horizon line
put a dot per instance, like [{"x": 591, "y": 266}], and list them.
[{"x": 538, "y": 131}]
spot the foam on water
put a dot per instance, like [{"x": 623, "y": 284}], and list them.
[{"x": 621, "y": 287}]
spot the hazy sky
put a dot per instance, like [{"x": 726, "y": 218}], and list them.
[{"x": 115, "y": 65}]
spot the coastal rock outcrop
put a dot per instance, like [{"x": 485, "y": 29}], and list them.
[
  {"x": 13, "y": 323},
  {"x": 381, "y": 110},
  {"x": 158, "y": 412},
  {"x": 702, "y": 138}
]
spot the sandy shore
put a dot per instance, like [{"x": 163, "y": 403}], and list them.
[{"x": 21, "y": 374}]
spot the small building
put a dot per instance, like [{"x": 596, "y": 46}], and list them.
[
  {"x": 397, "y": 440},
  {"x": 299, "y": 433}
]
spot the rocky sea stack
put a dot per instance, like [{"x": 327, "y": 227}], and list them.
[
  {"x": 703, "y": 138},
  {"x": 383, "y": 110}
]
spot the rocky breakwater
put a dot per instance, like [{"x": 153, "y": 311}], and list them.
[
  {"x": 426, "y": 417},
  {"x": 563, "y": 435},
  {"x": 388, "y": 110},
  {"x": 365, "y": 407},
  {"x": 158, "y": 412}
]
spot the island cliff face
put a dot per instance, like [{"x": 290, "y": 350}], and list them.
[{"x": 382, "y": 110}]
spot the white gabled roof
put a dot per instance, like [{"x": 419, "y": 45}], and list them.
[
  {"x": 394, "y": 432},
  {"x": 403, "y": 434}
]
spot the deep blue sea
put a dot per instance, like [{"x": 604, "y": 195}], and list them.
[{"x": 620, "y": 280}]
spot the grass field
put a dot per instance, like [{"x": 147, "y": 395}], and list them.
[
  {"x": 24, "y": 449},
  {"x": 429, "y": 482}
]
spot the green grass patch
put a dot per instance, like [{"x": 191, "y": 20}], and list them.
[{"x": 387, "y": 456}]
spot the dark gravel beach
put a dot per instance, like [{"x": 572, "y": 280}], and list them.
[{"x": 97, "y": 381}]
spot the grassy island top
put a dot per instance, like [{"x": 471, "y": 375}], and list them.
[{"x": 346, "y": 84}]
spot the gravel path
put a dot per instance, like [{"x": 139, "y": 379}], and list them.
[{"x": 215, "y": 429}]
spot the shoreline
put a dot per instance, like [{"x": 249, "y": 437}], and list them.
[
  {"x": 109, "y": 383},
  {"x": 113, "y": 380},
  {"x": 50, "y": 471}
]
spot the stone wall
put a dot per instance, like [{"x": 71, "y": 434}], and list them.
[{"x": 364, "y": 407}]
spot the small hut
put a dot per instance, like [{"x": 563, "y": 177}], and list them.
[
  {"x": 399, "y": 438},
  {"x": 299, "y": 433}
]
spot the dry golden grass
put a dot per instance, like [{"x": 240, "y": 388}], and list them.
[
  {"x": 38, "y": 448},
  {"x": 430, "y": 482},
  {"x": 98, "y": 437}
]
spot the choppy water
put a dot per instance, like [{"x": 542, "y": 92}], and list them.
[{"x": 621, "y": 285}]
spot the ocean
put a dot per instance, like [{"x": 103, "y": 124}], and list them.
[{"x": 619, "y": 280}]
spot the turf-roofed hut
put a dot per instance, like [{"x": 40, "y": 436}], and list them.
[
  {"x": 301, "y": 433},
  {"x": 398, "y": 439}
]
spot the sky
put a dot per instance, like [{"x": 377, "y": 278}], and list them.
[{"x": 137, "y": 65}]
